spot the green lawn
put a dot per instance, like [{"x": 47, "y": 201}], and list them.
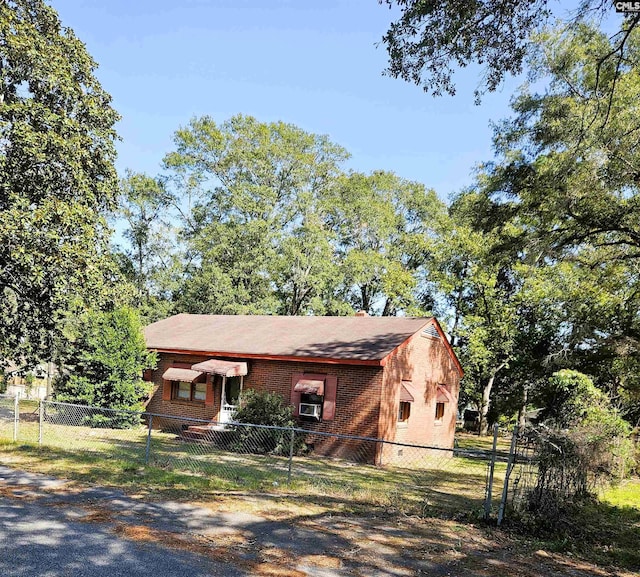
[
  {"x": 426, "y": 482},
  {"x": 606, "y": 531}
]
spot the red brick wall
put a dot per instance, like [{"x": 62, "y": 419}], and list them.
[
  {"x": 425, "y": 362},
  {"x": 179, "y": 408},
  {"x": 366, "y": 402},
  {"x": 357, "y": 398},
  {"x": 357, "y": 402}
]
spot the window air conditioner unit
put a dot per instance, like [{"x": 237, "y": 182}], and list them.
[{"x": 310, "y": 410}]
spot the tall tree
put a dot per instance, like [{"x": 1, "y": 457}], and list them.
[
  {"x": 477, "y": 293},
  {"x": 56, "y": 176},
  {"x": 564, "y": 195},
  {"x": 151, "y": 255},
  {"x": 431, "y": 37},
  {"x": 255, "y": 187},
  {"x": 383, "y": 225}
]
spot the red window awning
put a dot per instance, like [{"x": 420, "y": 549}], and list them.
[
  {"x": 176, "y": 374},
  {"x": 406, "y": 393},
  {"x": 443, "y": 395},
  {"x": 223, "y": 368},
  {"x": 309, "y": 387}
]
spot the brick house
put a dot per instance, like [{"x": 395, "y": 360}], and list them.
[{"x": 393, "y": 378}]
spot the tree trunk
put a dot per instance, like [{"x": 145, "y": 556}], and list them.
[
  {"x": 484, "y": 407},
  {"x": 522, "y": 412},
  {"x": 486, "y": 399}
]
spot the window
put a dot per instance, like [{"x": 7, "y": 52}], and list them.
[
  {"x": 313, "y": 396},
  {"x": 311, "y": 406},
  {"x": 183, "y": 391},
  {"x": 404, "y": 411},
  {"x": 439, "y": 412}
]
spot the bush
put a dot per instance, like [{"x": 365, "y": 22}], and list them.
[
  {"x": 582, "y": 444},
  {"x": 104, "y": 368},
  {"x": 264, "y": 408}
]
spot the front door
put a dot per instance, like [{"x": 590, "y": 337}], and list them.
[{"x": 231, "y": 388}]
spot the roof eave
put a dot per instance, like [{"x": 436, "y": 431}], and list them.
[{"x": 302, "y": 359}]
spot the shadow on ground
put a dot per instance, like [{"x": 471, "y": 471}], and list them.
[{"x": 239, "y": 536}]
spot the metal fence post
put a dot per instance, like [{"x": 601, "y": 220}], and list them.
[
  {"x": 16, "y": 417},
  {"x": 293, "y": 437},
  {"x": 492, "y": 465},
  {"x": 510, "y": 463},
  {"x": 147, "y": 451},
  {"x": 40, "y": 420}
]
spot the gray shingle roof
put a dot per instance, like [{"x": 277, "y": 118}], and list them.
[{"x": 340, "y": 338}]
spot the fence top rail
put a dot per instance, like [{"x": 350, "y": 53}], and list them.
[
  {"x": 91, "y": 407},
  {"x": 472, "y": 453}
]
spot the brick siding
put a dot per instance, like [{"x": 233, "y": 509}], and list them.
[
  {"x": 425, "y": 362},
  {"x": 367, "y": 398}
]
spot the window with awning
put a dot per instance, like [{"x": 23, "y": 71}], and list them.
[
  {"x": 313, "y": 396},
  {"x": 310, "y": 387},
  {"x": 179, "y": 374}
]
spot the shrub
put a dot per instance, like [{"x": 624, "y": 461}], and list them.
[
  {"x": 105, "y": 367},
  {"x": 583, "y": 444},
  {"x": 573, "y": 463},
  {"x": 264, "y": 408}
]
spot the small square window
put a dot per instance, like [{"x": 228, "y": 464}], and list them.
[
  {"x": 439, "y": 411},
  {"x": 200, "y": 391},
  {"x": 404, "y": 411}
]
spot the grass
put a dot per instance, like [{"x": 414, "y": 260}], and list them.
[
  {"x": 624, "y": 494},
  {"x": 473, "y": 441},
  {"x": 427, "y": 483},
  {"x": 606, "y": 531}
]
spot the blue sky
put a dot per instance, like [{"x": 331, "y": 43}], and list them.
[{"x": 313, "y": 63}]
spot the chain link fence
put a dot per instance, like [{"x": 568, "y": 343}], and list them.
[{"x": 409, "y": 478}]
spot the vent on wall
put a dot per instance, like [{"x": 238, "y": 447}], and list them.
[{"x": 431, "y": 331}]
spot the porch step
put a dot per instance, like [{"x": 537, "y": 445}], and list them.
[
  {"x": 206, "y": 433},
  {"x": 206, "y": 428},
  {"x": 195, "y": 436}
]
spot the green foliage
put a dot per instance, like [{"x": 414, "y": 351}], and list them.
[
  {"x": 151, "y": 257},
  {"x": 383, "y": 226},
  {"x": 542, "y": 266},
  {"x": 433, "y": 37},
  {"x": 587, "y": 444},
  {"x": 105, "y": 366},
  {"x": 572, "y": 465},
  {"x": 573, "y": 402},
  {"x": 56, "y": 178},
  {"x": 276, "y": 227},
  {"x": 264, "y": 408},
  {"x": 257, "y": 220},
  {"x": 571, "y": 398}
]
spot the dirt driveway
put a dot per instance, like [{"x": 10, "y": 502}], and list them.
[{"x": 241, "y": 535}]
